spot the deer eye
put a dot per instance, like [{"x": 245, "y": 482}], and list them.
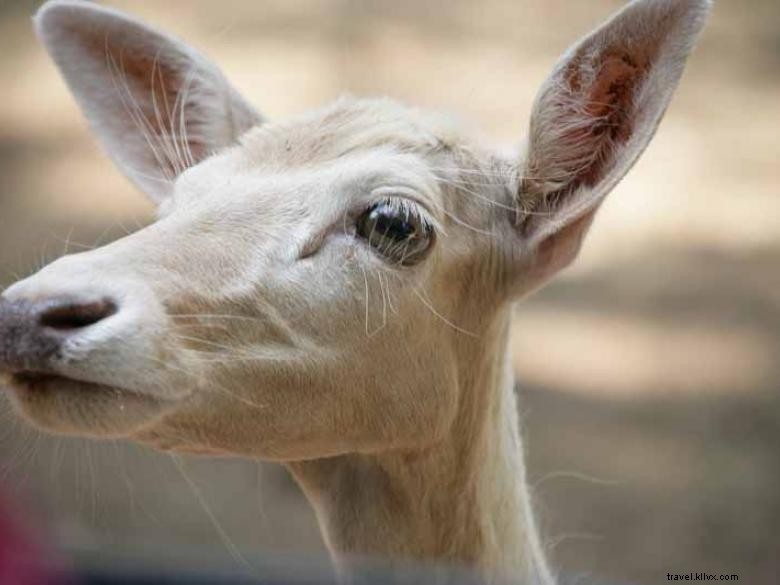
[{"x": 396, "y": 229}]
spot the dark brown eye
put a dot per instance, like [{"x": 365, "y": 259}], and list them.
[{"x": 395, "y": 229}]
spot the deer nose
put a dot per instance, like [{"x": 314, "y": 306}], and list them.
[{"x": 31, "y": 333}]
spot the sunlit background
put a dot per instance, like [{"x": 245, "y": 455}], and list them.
[{"x": 649, "y": 377}]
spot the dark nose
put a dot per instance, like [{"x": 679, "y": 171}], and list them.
[{"x": 31, "y": 333}]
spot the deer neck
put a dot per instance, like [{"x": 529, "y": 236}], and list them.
[{"x": 463, "y": 500}]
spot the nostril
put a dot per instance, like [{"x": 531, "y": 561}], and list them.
[{"x": 74, "y": 315}]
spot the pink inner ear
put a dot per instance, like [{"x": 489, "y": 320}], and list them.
[
  {"x": 610, "y": 96},
  {"x": 585, "y": 115},
  {"x": 607, "y": 105},
  {"x": 147, "y": 83}
]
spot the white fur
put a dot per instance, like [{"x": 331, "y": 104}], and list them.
[{"x": 266, "y": 327}]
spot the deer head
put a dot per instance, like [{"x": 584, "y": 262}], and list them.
[
  {"x": 321, "y": 285},
  {"x": 309, "y": 283}
]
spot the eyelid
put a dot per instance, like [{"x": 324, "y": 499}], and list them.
[
  {"x": 410, "y": 195},
  {"x": 406, "y": 208}
]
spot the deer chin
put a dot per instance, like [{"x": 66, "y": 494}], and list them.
[{"x": 68, "y": 406}]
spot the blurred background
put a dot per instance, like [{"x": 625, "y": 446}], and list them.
[{"x": 649, "y": 377}]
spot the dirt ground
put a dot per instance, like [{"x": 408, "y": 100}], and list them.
[{"x": 648, "y": 374}]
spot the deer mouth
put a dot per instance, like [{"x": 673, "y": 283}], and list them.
[
  {"x": 42, "y": 382},
  {"x": 65, "y": 405},
  {"x": 32, "y": 380}
]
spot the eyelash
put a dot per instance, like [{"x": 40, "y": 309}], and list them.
[{"x": 397, "y": 230}]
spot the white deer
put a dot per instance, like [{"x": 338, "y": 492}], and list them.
[{"x": 332, "y": 292}]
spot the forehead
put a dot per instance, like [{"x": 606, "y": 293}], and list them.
[
  {"x": 347, "y": 148},
  {"x": 348, "y": 127}
]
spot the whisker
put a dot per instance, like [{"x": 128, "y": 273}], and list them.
[
  {"x": 223, "y": 535},
  {"x": 212, "y": 384},
  {"x": 442, "y": 317},
  {"x": 574, "y": 475},
  {"x": 217, "y": 316}
]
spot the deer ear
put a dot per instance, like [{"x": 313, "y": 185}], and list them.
[
  {"x": 592, "y": 119},
  {"x": 156, "y": 105}
]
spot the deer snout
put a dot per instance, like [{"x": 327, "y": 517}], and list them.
[{"x": 32, "y": 332}]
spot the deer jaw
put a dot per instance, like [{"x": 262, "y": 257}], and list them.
[{"x": 256, "y": 316}]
